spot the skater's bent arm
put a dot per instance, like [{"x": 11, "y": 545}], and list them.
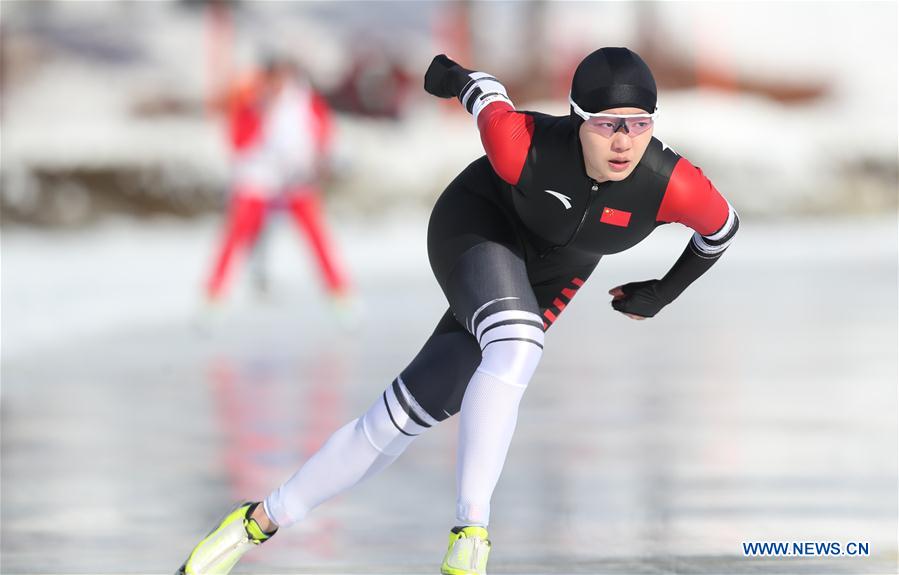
[
  {"x": 692, "y": 200},
  {"x": 505, "y": 133}
]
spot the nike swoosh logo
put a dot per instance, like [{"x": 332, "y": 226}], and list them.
[{"x": 566, "y": 201}]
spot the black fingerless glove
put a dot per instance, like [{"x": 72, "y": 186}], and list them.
[
  {"x": 644, "y": 298},
  {"x": 445, "y": 78}
]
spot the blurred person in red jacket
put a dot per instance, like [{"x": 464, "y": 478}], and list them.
[{"x": 280, "y": 134}]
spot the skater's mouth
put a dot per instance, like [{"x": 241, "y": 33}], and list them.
[{"x": 619, "y": 164}]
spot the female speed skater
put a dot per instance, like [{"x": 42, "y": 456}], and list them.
[{"x": 510, "y": 241}]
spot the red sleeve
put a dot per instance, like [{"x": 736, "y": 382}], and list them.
[
  {"x": 692, "y": 200},
  {"x": 323, "y": 128},
  {"x": 244, "y": 119},
  {"x": 506, "y": 135},
  {"x": 245, "y": 124}
]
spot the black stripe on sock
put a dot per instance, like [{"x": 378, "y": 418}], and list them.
[
  {"x": 387, "y": 405},
  {"x": 405, "y": 405},
  {"x": 512, "y": 303},
  {"x": 537, "y": 343},
  {"x": 510, "y": 322}
]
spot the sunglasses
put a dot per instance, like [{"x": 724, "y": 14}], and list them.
[{"x": 608, "y": 124}]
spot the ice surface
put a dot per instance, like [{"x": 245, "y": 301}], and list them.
[{"x": 761, "y": 406}]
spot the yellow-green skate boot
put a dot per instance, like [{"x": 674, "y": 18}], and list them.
[
  {"x": 224, "y": 546},
  {"x": 468, "y": 551}
]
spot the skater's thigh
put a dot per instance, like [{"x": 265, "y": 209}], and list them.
[
  {"x": 489, "y": 279},
  {"x": 437, "y": 377},
  {"x": 476, "y": 252},
  {"x": 488, "y": 287},
  {"x": 490, "y": 297}
]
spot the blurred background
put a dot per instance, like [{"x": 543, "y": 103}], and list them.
[{"x": 133, "y": 392}]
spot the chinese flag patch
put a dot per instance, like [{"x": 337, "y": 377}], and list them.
[{"x": 615, "y": 217}]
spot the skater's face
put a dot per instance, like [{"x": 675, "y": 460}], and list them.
[{"x": 613, "y": 156}]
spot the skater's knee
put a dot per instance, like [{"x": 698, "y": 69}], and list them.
[
  {"x": 511, "y": 345},
  {"x": 394, "y": 420}
]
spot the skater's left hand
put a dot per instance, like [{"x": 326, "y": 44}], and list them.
[
  {"x": 638, "y": 300},
  {"x": 444, "y": 78}
]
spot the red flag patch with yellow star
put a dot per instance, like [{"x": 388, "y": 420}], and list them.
[{"x": 615, "y": 217}]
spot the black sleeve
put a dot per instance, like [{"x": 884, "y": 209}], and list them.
[{"x": 700, "y": 254}]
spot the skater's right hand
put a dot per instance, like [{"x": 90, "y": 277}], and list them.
[
  {"x": 445, "y": 78},
  {"x": 638, "y": 300}
]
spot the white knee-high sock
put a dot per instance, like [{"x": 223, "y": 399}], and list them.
[
  {"x": 511, "y": 344},
  {"x": 356, "y": 451}
]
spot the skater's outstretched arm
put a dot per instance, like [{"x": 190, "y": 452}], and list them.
[{"x": 692, "y": 200}]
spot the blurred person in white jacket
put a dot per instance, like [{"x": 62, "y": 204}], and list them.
[{"x": 280, "y": 135}]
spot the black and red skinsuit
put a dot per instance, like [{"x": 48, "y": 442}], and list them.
[{"x": 526, "y": 220}]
